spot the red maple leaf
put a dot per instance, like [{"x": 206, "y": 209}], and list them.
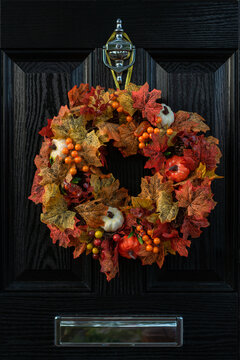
[
  {"x": 146, "y": 102},
  {"x": 198, "y": 200},
  {"x": 42, "y": 159},
  {"x": 65, "y": 237},
  {"x": 155, "y": 152},
  {"x": 189, "y": 159},
  {"x": 77, "y": 95},
  {"x": 210, "y": 152},
  {"x": 109, "y": 259},
  {"x": 191, "y": 226},
  {"x": 47, "y": 130},
  {"x": 178, "y": 244},
  {"x": 37, "y": 190}
]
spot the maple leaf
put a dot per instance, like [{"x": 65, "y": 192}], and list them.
[
  {"x": 138, "y": 202},
  {"x": 97, "y": 105},
  {"x": 148, "y": 258},
  {"x": 54, "y": 174},
  {"x": 98, "y": 183},
  {"x": 55, "y": 211},
  {"x": 189, "y": 159},
  {"x": 154, "y": 189},
  {"x": 46, "y": 130},
  {"x": 77, "y": 94},
  {"x": 178, "y": 244},
  {"x": 198, "y": 201},
  {"x": 42, "y": 160},
  {"x": 191, "y": 226},
  {"x": 37, "y": 190},
  {"x": 69, "y": 127},
  {"x": 128, "y": 142},
  {"x": 108, "y": 131},
  {"x": 126, "y": 100},
  {"x": 79, "y": 241},
  {"x": 210, "y": 153},
  {"x": 90, "y": 154},
  {"x": 109, "y": 262},
  {"x": 92, "y": 212},
  {"x": 152, "y": 185},
  {"x": 92, "y": 139},
  {"x": 166, "y": 208},
  {"x": 108, "y": 191},
  {"x": 188, "y": 121},
  {"x": 64, "y": 237},
  {"x": 146, "y": 102},
  {"x": 155, "y": 151}
]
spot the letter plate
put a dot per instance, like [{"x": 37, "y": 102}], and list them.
[{"x": 163, "y": 331}]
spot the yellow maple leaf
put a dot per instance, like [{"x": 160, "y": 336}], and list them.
[
  {"x": 56, "y": 210},
  {"x": 138, "y": 202},
  {"x": 125, "y": 98}
]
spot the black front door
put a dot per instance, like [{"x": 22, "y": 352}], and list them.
[{"x": 189, "y": 50}]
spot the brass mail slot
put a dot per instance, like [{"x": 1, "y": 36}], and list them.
[{"x": 163, "y": 331}]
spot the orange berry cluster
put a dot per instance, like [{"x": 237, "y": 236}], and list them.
[
  {"x": 116, "y": 106},
  {"x": 150, "y": 241},
  {"x": 144, "y": 138},
  {"x": 73, "y": 157}
]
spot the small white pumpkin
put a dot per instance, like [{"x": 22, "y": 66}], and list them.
[
  {"x": 60, "y": 145},
  {"x": 114, "y": 221},
  {"x": 167, "y": 115}
]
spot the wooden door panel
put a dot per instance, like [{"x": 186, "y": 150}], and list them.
[
  {"x": 189, "y": 50},
  {"x": 36, "y": 86}
]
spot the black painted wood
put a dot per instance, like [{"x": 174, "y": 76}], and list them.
[
  {"x": 190, "y": 53},
  {"x": 152, "y": 24}
]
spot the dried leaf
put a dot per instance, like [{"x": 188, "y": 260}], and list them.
[
  {"x": 54, "y": 174},
  {"x": 108, "y": 131},
  {"x": 148, "y": 258},
  {"x": 37, "y": 190},
  {"x": 46, "y": 130},
  {"x": 142, "y": 203},
  {"x": 146, "y": 102},
  {"x": 155, "y": 151},
  {"x": 92, "y": 212},
  {"x": 198, "y": 201},
  {"x": 98, "y": 183},
  {"x": 77, "y": 95},
  {"x": 166, "y": 208},
  {"x": 125, "y": 98},
  {"x": 191, "y": 227},
  {"x": 64, "y": 237},
  {"x": 55, "y": 209},
  {"x": 109, "y": 263},
  {"x": 91, "y": 155},
  {"x": 187, "y": 121},
  {"x": 42, "y": 160},
  {"x": 128, "y": 142},
  {"x": 152, "y": 185},
  {"x": 97, "y": 105},
  {"x": 92, "y": 140},
  {"x": 70, "y": 127},
  {"x": 111, "y": 195}
]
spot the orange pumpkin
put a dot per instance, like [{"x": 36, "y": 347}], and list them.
[{"x": 128, "y": 247}]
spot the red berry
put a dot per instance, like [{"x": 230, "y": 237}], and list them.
[
  {"x": 116, "y": 237},
  {"x": 97, "y": 242},
  {"x": 95, "y": 256},
  {"x": 91, "y": 233}
]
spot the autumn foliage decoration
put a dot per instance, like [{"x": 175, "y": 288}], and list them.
[{"x": 85, "y": 208}]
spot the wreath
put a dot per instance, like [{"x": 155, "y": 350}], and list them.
[{"x": 84, "y": 206}]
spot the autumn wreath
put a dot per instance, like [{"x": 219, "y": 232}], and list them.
[{"x": 84, "y": 206}]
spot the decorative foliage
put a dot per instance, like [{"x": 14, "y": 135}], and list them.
[{"x": 85, "y": 208}]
